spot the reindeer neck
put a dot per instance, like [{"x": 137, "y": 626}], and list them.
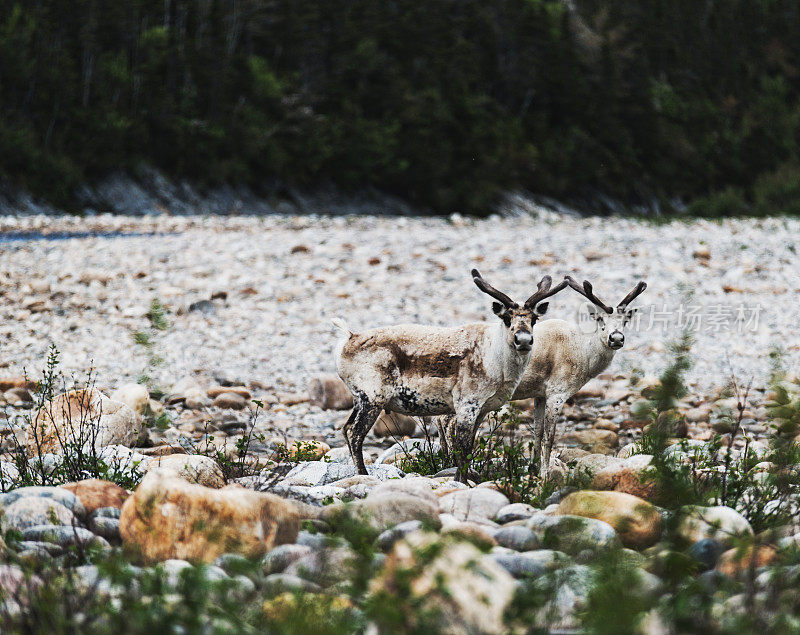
[
  {"x": 598, "y": 355},
  {"x": 504, "y": 360}
]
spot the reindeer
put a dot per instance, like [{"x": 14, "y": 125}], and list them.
[
  {"x": 426, "y": 370},
  {"x": 565, "y": 358}
]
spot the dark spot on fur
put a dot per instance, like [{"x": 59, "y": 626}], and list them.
[{"x": 434, "y": 365}]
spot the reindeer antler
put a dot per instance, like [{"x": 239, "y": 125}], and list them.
[
  {"x": 544, "y": 291},
  {"x": 490, "y": 290},
  {"x": 632, "y": 295},
  {"x": 587, "y": 292}
]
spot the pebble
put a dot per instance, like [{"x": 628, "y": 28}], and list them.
[
  {"x": 530, "y": 564},
  {"x": 282, "y": 556},
  {"x": 518, "y": 538},
  {"x": 515, "y": 511}
]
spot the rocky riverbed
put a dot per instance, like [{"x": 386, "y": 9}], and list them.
[{"x": 265, "y": 494}]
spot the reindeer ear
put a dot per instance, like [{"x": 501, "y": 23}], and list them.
[
  {"x": 629, "y": 313},
  {"x": 499, "y": 308},
  {"x": 595, "y": 312},
  {"x": 541, "y": 309}
]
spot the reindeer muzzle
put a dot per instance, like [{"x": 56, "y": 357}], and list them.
[
  {"x": 616, "y": 340},
  {"x": 523, "y": 341}
]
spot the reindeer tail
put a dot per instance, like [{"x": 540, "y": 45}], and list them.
[{"x": 342, "y": 326}]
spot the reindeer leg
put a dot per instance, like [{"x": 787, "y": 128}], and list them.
[
  {"x": 463, "y": 439},
  {"x": 367, "y": 414},
  {"x": 346, "y": 430},
  {"x": 552, "y": 411},
  {"x": 538, "y": 426}
]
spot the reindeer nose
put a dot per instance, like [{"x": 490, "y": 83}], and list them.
[
  {"x": 523, "y": 340},
  {"x": 616, "y": 339}
]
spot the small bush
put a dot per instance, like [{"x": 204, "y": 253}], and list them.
[
  {"x": 778, "y": 192},
  {"x": 79, "y": 456}
]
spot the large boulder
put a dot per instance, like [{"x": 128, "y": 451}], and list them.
[
  {"x": 637, "y": 523},
  {"x": 329, "y": 392},
  {"x": 720, "y": 523},
  {"x": 83, "y": 418},
  {"x": 169, "y": 518},
  {"x": 449, "y": 586},
  {"x": 193, "y": 468}
]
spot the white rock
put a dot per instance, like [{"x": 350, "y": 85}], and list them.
[{"x": 479, "y": 503}]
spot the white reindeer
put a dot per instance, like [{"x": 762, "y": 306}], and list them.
[
  {"x": 565, "y": 358},
  {"x": 426, "y": 370}
]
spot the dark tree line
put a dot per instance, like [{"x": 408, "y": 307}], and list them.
[{"x": 444, "y": 103}]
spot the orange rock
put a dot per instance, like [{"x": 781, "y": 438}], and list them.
[
  {"x": 735, "y": 561},
  {"x": 95, "y": 493},
  {"x": 169, "y": 518},
  {"x": 216, "y": 391}
]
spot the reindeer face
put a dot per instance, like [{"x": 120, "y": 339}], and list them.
[
  {"x": 610, "y": 322},
  {"x": 519, "y": 320},
  {"x": 611, "y": 327}
]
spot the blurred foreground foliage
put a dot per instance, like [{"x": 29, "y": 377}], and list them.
[{"x": 443, "y": 103}]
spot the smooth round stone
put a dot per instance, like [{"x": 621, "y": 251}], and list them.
[
  {"x": 215, "y": 573},
  {"x": 515, "y": 511},
  {"x": 573, "y": 534},
  {"x": 473, "y": 504},
  {"x": 282, "y": 556},
  {"x": 108, "y": 528},
  {"x": 45, "y": 548},
  {"x": 244, "y": 584},
  {"x": 173, "y": 571},
  {"x": 315, "y": 541},
  {"x": 234, "y": 564},
  {"x": 530, "y": 564},
  {"x": 107, "y": 512},
  {"x": 706, "y": 552},
  {"x": 61, "y": 496},
  {"x": 518, "y": 538},
  {"x": 360, "y": 490},
  {"x": 283, "y": 582},
  {"x": 63, "y": 536},
  {"x": 31, "y": 511},
  {"x": 386, "y": 539}
]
